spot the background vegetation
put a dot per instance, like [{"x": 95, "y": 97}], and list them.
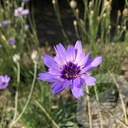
[{"x": 28, "y": 102}]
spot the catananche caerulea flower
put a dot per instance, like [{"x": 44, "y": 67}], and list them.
[
  {"x": 25, "y": 0},
  {"x": 69, "y": 68},
  {"x": 20, "y": 11},
  {"x": 11, "y": 41},
  {"x": 4, "y": 23},
  {"x": 4, "y": 80}
]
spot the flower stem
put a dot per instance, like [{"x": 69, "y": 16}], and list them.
[
  {"x": 89, "y": 110},
  {"x": 97, "y": 98},
  {"x": 121, "y": 98},
  {"x": 43, "y": 109},
  {"x": 120, "y": 121},
  {"x": 57, "y": 12},
  {"x": 29, "y": 97},
  {"x": 16, "y": 95}
]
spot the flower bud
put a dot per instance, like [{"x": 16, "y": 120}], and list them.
[
  {"x": 104, "y": 15},
  {"x": 77, "y": 11},
  {"x": 73, "y": 4},
  {"x": 34, "y": 56},
  {"x": 53, "y": 1},
  {"x": 91, "y": 12},
  {"x": 16, "y": 58},
  {"x": 90, "y": 4},
  {"x": 118, "y": 26},
  {"x": 124, "y": 27},
  {"x": 109, "y": 27},
  {"x": 75, "y": 23},
  {"x": 125, "y": 12}
]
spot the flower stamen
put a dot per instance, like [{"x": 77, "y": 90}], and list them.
[{"x": 70, "y": 70}]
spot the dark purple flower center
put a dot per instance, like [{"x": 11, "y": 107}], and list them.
[{"x": 70, "y": 71}]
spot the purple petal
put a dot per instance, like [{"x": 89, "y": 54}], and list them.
[
  {"x": 76, "y": 88},
  {"x": 61, "y": 51},
  {"x": 25, "y": 12},
  {"x": 5, "y": 23},
  {"x": 55, "y": 71},
  {"x": 71, "y": 53},
  {"x": 49, "y": 61},
  {"x": 82, "y": 59},
  {"x": 92, "y": 63},
  {"x": 4, "y": 80},
  {"x": 16, "y": 14},
  {"x": 11, "y": 41},
  {"x": 88, "y": 80},
  {"x": 76, "y": 81},
  {"x": 25, "y": 0},
  {"x": 48, "y": 77},
  {"x": 85, "y": 69},
  {"x": 59, "y": 86},
  {"x": 19, "y": 9},
  {"x": 78, "y": 46},
  {"x": 59, "y": 61},
  {"x": 79, "y": 58}
]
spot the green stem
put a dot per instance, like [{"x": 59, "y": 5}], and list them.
[
  {"x": 97, "y": 98},
  {"x": 16, "y": 95},
  {"x": 49, "y": 117},
  {"x": 29, "y": 97},
  {"x": 89, "y": 110},
  {"x": 57, "y": 12},
  {"x": 121, "y": 98},
  {"x": 124, "y": 124}
]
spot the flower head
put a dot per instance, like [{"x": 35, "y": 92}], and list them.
[
  {"x": 5, "y": 23},
  {"x": 34, "y": 56},
  {"x": 20, "y": 11},
  {"x": 4, "y": 80},
  {"x": 11, "y": 41},
  {"x": 16, "y": 58},
  {"x": 25, "y": 0},
  {"x": 70, "y": 68}
]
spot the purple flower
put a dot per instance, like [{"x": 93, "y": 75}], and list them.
[
  {"x": 70, "y": 67},
  {"x": 11, "y": 41},
  {"x": 25, "y": 0},
  {"x": 4, "y": 80},
  {"x": 5, "y": 23},
  {"x": 19, "y": 11}
]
